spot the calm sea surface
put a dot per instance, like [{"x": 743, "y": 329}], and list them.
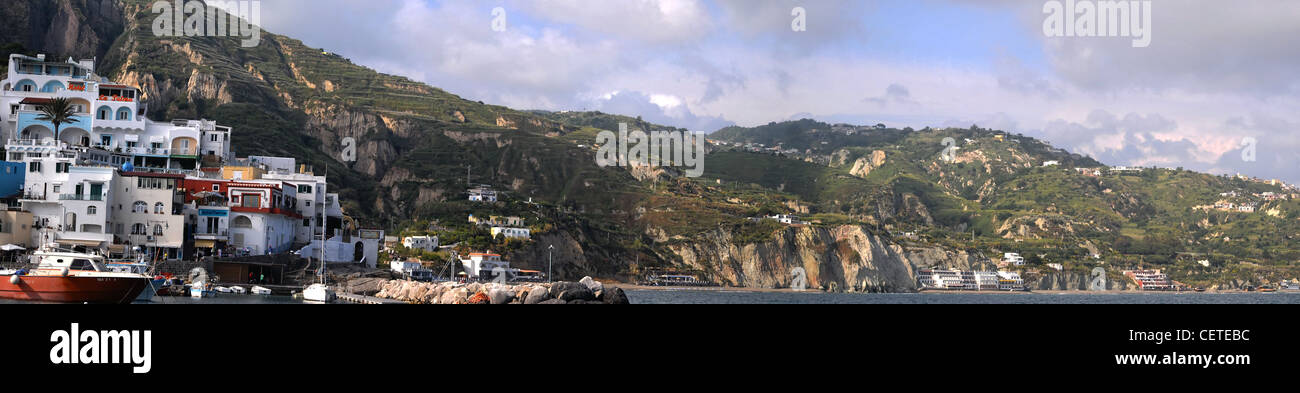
[
  {"x": 732, "y": 297},
  {"x": 742, "y": 297}
]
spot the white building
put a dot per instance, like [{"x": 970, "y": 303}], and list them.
[
  {"x": 314, "y": 204},
  {"x": 426, "y": 243},
  {"x": 483, "y": 265},
  {"x": 511, "y": 233},
  {"x": 1012, "y": 258},
  {"x": 147, "y": 211},
  {"x": 482, "y": 194},
  {"x": 787, "y": 219},
  {"x": 263, "y": 218}
]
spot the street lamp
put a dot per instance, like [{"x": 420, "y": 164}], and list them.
[{"x": 549, "y": 261}]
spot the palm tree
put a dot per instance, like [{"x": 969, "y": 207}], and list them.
[{"x": 58, "y": 112}]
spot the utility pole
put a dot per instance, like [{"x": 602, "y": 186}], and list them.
[{"x": 549, "y": 261}]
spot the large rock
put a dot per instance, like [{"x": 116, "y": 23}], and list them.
[
  {"x": 553, "y": 301},
  {"x": 559, "y": 287},
  {"x": 614, "y": 295},
  {"x": 501, "y": 295},
  {"x": 537, "y": 295},
  {"x": 454, "y": 296},
  {"x": 580, "y": 293},
  {"x": 593, "y": 285}
]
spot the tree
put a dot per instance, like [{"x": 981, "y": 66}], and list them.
[{"x": 58, "y": 112}]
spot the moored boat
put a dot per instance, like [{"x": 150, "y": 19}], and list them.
[
  {"x": 318, "y": 293},
  {"x": 257, "y": 290},
  {"x": 71, "y": 277}
]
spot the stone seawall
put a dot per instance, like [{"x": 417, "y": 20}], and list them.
[{"x": 585, "y": 291}]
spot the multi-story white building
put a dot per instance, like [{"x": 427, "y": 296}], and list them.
[
  {"x": 314, "y": 204},
  {"x": 511, "y": 233},
  {"x": 426, "y": 243},
  {"x": 148, "y": 212},
  {"x": 109, "y": 117},
  {"x": 263, "y": 217}
]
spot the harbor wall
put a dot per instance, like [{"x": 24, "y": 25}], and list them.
[{"x": 585, "y": 291}]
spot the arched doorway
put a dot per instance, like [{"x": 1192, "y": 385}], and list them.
[{"x": 358, "y": 252}]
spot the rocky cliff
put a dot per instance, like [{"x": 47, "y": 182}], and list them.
[
  {"x": 62, "y": 28},
  {"x": 843, "y": 258}
]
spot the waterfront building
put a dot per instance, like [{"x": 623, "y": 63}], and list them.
[
  {"x": 263, "y": 217},
  {"x": 1010, "y": 281},
  {"x": 114, "y": 179},
  {"x": 147, "y": 212},
  {"x": 481, "y": 265},
  {"x": 1013, "y": 259},
  {"x": 1150, "y": 280}
]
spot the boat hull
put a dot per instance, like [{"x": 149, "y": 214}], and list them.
[{"x": 73, "y": 289}]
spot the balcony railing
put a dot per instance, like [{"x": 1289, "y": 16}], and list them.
[{"x": 82, "y": 197}]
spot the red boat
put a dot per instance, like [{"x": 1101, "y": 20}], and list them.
[{"x": 71, "y": 277}]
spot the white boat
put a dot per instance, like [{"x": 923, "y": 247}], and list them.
[
  {"x": 318, "y": 293},
  {"x": 222, "y": 289},
  {"x": 200, "y": 291},
  {"x": 238, "y": 289},
  {"x": 261, "y": 290}
]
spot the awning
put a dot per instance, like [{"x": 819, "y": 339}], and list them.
[
  {"x": 36, "y": 101},
  {"x": 78, "y": 242},
  {"x": 204, "y": 243},
  {"x": 157, "y": 139},
  {"x": 132, "y": 138}
]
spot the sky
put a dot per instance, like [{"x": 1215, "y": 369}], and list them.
[{"x": 1216, "y": 90}]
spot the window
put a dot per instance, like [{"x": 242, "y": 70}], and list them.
[
  {"x": 57, "y": 188},
  {"x": 106, "y": 140},
  {"x": 158, "y": 208},
  {"x": 216, "y": 188},
  {"x": 137, "y": 229},
  {"x": 157, "y": 230},
  {"x": 91, "y": 209},
  {"x": 33, "y": 166},
  {"x": 306, "y": 222},
  {"x": 304, "y": 189},
  {"x": 140, "y": 207},
  {"x": 81, "y": 264},
  {"x": 252, "y": 201},
  {"x": 62, "y": 167},
  {"x": 213, "y": 138}
]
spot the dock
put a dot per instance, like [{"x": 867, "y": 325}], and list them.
[{"x": 363, "y": 299}]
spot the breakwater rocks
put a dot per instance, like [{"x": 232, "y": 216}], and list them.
[{"x": 586, "y": 291}]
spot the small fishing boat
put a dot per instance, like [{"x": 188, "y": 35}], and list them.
[
  {"x": 222, "y": 289},
  {"x": 238, "y": 290},
  {"x": 201, "y": 290},
  {"x": 261, "y": 290}
]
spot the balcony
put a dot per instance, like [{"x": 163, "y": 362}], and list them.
[
  {"x": 218, "y": 235},
  {"x": 82, "y": 197}
]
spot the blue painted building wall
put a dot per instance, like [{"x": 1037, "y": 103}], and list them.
[{"x": 12, "y": 175}]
